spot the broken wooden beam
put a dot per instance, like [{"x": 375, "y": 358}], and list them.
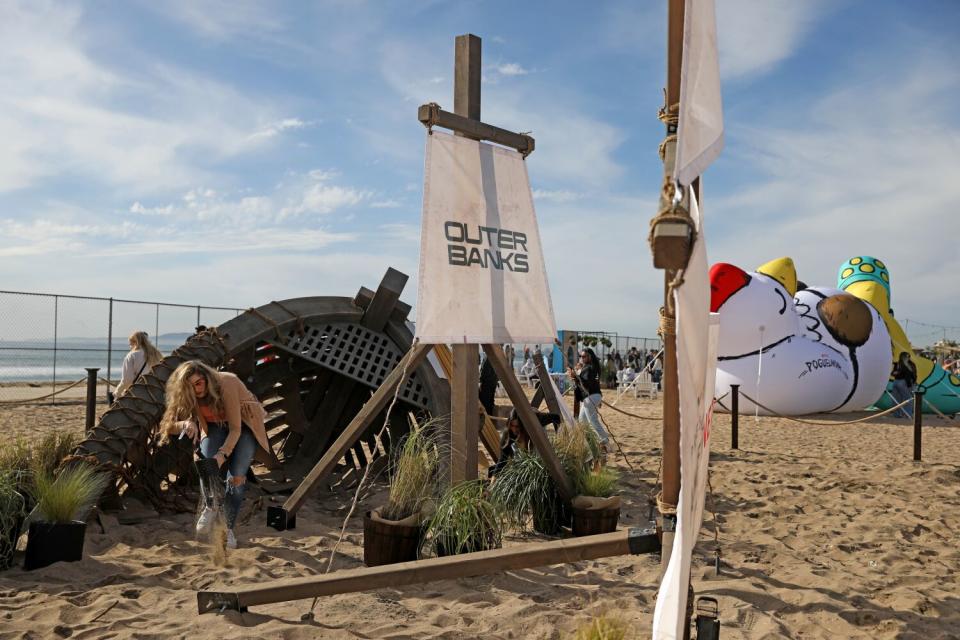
[
  {"x": 281, "y": 518},
  {"x": 529, "y": 420},
  {"x": 523, "y": 556}
]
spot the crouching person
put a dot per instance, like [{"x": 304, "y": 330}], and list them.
[{"x": 215, "y": 410}]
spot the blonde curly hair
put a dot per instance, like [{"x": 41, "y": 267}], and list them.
[{"x": 181, "y": 400}]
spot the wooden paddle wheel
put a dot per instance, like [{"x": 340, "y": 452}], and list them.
[{"x": 313, "y": 363}]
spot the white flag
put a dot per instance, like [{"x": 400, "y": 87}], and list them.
[
  {"x": 700, "y": 132},
  {"x": 482, "y": 277},
  {"x": 697, "y": 331}
]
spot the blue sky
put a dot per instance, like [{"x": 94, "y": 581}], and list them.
[{"x": 232, "y": 153}]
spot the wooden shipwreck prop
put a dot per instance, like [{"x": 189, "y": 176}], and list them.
[{"x": 314, "y": 363}]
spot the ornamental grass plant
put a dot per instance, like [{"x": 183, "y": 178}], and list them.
[
  {"x": 16, "y": 462},
  {"x": 603, "y": 627},
  {"x": 525, "y": 485},
  {"x": 12, "y": 513},
  {"x": 74, "y": 489},
  {"x": 466, "y": 520},
  {"x": 49, "y": 453},
  {"x": 414, "y": 465}
]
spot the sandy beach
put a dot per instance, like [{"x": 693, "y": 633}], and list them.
[{"x": 826, "y": 532}]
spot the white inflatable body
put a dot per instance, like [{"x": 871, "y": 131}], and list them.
[{"x": 795, "y": 355}]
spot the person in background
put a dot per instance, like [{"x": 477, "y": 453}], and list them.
[
  {"x": 217, "y": 411},
  {"x": 656, "y": 370},
  {"x": 586, "y": 377},
  {"x": 142, "y": 357},
  {"x": 904, "y": 378},
  {"x": 618, "y": 360}
]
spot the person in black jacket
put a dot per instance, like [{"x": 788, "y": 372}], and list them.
[
  {"x": 586, "y": 378},
  {"x": 904, "y": 378}
]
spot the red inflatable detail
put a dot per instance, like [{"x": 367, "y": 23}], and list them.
[{"x": 725, "y": 280}]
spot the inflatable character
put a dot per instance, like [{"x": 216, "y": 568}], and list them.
[
  {"x": 795, "y": 352},
  {"x": 868, "y": 279}
]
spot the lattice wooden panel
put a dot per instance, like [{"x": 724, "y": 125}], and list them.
[{"x": 356, "y": 352}]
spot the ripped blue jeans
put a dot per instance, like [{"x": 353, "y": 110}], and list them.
[{"x": 237, "y": 464}]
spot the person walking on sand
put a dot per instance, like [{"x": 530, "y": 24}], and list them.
[
  {"x": 586, "y": 378},
  {"x": 143, "y": 357},
  {"x": 217, "y": 411}
]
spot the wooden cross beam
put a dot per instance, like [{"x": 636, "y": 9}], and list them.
[
  {"x": 533, "y": 554},
  {"x": 553, "y": 402}
]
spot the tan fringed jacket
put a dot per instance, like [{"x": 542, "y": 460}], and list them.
[{"x": 241, "y": 406}]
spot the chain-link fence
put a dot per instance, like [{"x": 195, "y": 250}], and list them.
[{"x": 48, "y": 341}]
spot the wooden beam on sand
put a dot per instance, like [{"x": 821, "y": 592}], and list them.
[
  {"x": 281, "y": 518},
  {"x": 529, "y": 420},
  {"x": 533, "y": 554}
]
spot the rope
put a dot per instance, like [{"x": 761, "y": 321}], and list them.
[
  {"x": 827, "y": 424},
  {"x": 49, "y": 395},
  {"x": 627, "y": 413},
  {"x": 108, "y": 382},
  {"x": 276, "y": 327},
  {"x": 301, "y": 326}
]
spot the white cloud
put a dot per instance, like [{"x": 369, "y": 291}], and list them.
[
  {"x": 65, "y": 113},
  {"x": 511, "y": 69},
  {"x": 754, "y": 37},
  {"x": 556, "y": 195}
]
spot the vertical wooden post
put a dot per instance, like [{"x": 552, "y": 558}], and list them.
[
  {"x": 464, "y": 384},
  {"x": 465, "y": 421},
  {"x": 671, "y": 392},
  {"x": 917, "y": 424},
  {"x": 91, "y": 397},
  {"x": 734, "y": 416}
]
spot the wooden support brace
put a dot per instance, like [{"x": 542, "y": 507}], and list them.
[
  {"x": 529, "y": 420},
  {"x": 553, "y": 402},
  {"x": 533, "y": 554},
  {"x": 281, "y": 518},
  {"x": 489, "y": 435}
]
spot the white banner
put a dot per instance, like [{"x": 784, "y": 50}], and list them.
[
  {"x": 482, "y": 277},
  {"x": 697, "y": 332},
  {"x": 700, "y": 131}
]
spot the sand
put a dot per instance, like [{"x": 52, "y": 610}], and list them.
[{"x": 826, "y": 532}]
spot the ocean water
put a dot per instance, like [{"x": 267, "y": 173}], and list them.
[{"x": 42, "y": 361}]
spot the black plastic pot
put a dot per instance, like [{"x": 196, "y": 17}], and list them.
[
  {"x": 49, "y": 542},
  {"x": 8, "y": 543},
  {"x": 387, "y": 542}
]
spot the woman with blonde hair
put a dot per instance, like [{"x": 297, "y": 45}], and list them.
[
  {"x": 215, "y": 409},
  {"x": 143, "y": 356}
]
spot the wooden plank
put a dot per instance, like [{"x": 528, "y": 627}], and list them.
[
  {"x": 464, "y": 418},
  {"x": 529, "y": 420},
  {"x": 431, "y": 115},
  {"x": 523, "y": 556},
  {"x": 546, "y": 389},
  {"x": 357, "y": 426},
  {"x": 489, "y": 435}
]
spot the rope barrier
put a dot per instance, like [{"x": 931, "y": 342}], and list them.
[
  {"x": 49, "y": 395},
  {"x": 827, "y": 424},
  {"x": 301, "y": 325}
]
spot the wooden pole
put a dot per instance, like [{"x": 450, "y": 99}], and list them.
[
  {"x": 917, "y": 425},
  {"x": 734, "y": 416},
  {"x": 553, "y": 402},
  {"x": 281, "y": 518},
  {"x": 91, "y": 416},
  {"x": 529, "y": 420},
  {"x": 464, "y": 385},
  {"x": 671, "y": 395},
  {"x": 522, "y": 556},
  {"x": 465, "y": 421}
]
